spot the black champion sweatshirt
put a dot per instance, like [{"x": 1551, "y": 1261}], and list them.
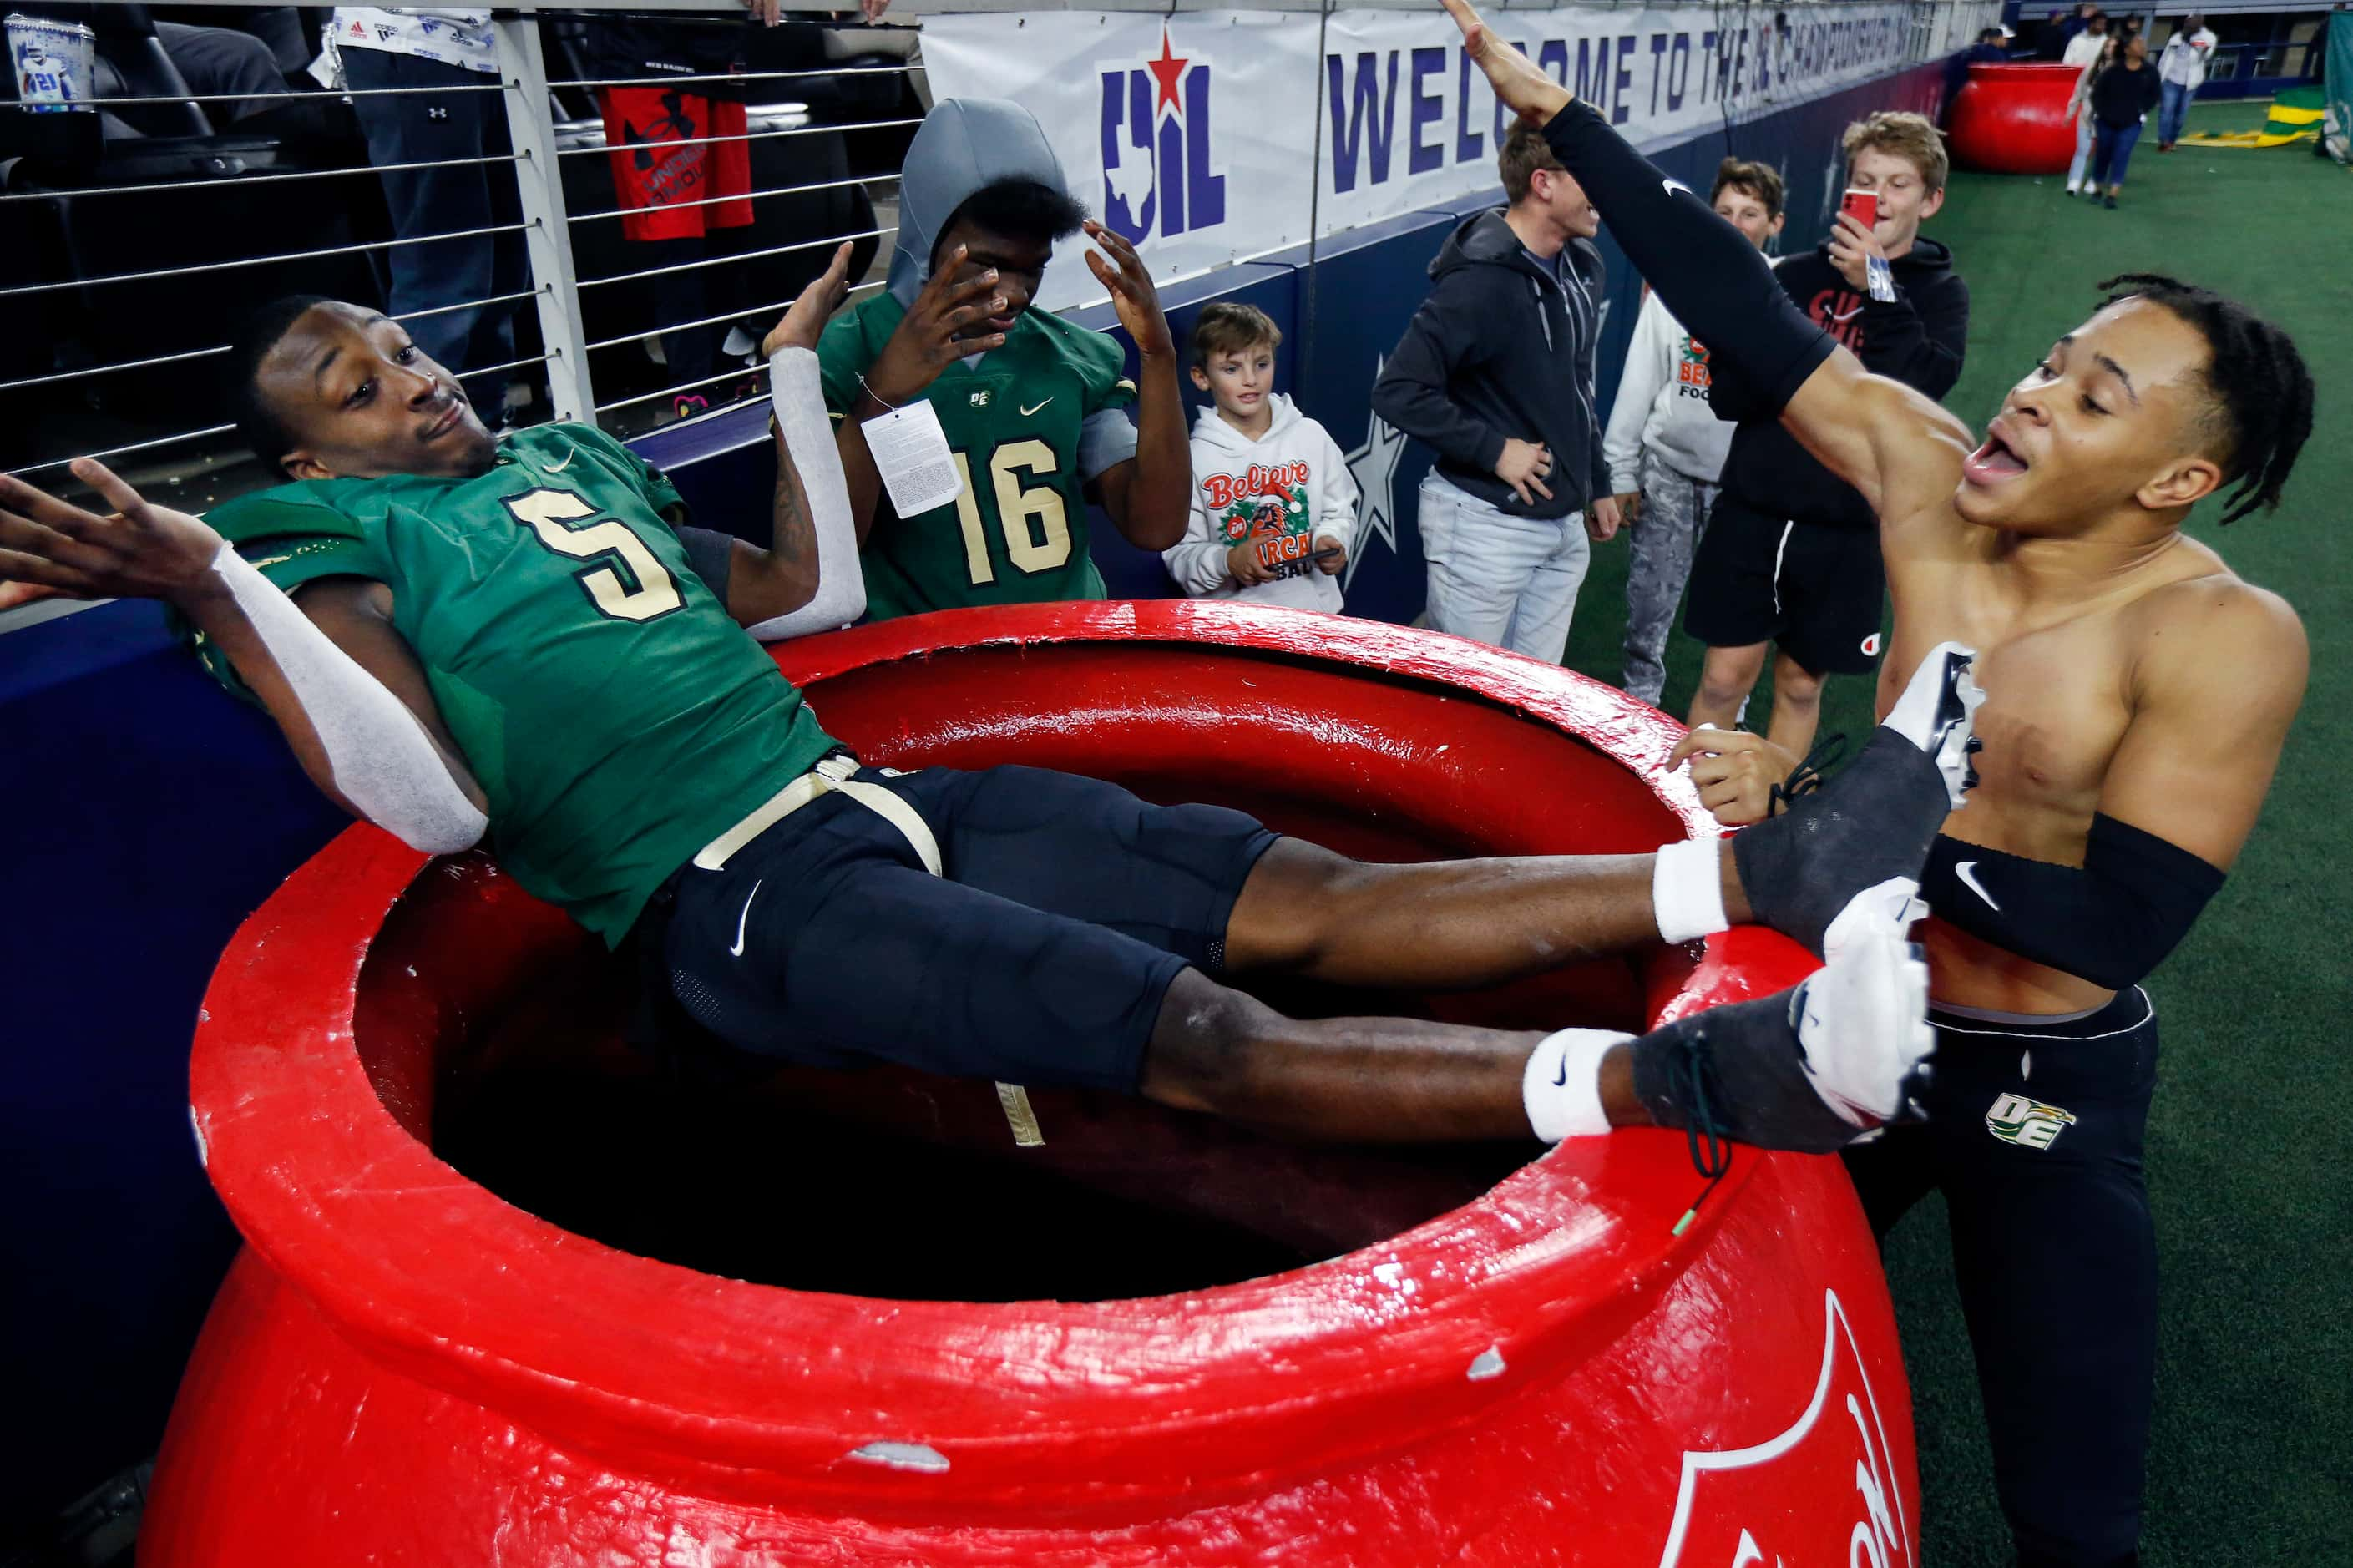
[
  {"x": 1917, "y": 339},
  {"x": 1500, "y": 349}
]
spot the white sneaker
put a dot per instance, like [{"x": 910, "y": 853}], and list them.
[
  {"x": 1866, "y": 1027},
  {"x": 1877, "y": 818},
  {"x": 1937, "y": 710}
]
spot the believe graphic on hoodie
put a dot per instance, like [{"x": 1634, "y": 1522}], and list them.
[{"x": 1286, "y": 491}]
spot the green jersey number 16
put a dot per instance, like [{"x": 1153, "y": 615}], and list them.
[{"x": 1036, "y": 532}]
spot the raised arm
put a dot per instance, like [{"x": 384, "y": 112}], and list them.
[
  {"x": 807, "y": 579},
  {"x": 339, "y": 679},
  {"x": 1899, "y": 449},
  {"x": 929, "y": 338},
  {"x": 1149, "y": 496}
]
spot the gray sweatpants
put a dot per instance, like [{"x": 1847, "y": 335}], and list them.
[{"x": 1674, "y": 511}]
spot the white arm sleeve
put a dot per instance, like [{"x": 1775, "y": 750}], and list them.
[
  {"x": 378, "y": 754},
  {"x": 799, "y": 401}
]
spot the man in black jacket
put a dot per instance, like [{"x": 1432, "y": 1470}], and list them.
[
  {"x": 1496, "y": 373},
  {"x": 1792, "y": 556}
]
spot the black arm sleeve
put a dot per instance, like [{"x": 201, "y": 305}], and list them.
[
  {"x": 1713, "y": 282},
  {"x": 712, "y": 554},
  {"x": 2110, "y": 923},
  {"x": 1921, "y": 349}
]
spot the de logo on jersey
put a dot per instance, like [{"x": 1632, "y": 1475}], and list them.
[
  {"x": 1154, "y": 123},
  {"x": 2029, "y": 1124}
]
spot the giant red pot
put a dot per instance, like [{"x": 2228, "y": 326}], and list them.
[
  {"x": 2013, "y": 119},
  {"x": 1551, "y": 1367}
]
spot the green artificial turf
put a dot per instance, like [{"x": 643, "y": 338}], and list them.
[{"x": 2253, "y": 1458}]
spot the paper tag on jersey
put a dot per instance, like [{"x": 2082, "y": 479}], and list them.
[{"x": 911, "y": 454}]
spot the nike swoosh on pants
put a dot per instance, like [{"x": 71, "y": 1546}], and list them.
[
  {"x": 737, "y": 950},
  {"x": 1967, "y": 872}
]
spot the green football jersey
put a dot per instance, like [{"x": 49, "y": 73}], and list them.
[
  {"x": 614, "y": 714},
  {"x": 1018, "y": 533}
]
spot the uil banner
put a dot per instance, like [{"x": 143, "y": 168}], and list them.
[
  {"x": 1410, "y": 122},
  {"x": 1192, "y": 135},
  {"x": 1210, "y": 136}
]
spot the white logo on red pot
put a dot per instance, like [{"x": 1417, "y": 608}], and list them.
[{"x": 1825, "y": 1491}]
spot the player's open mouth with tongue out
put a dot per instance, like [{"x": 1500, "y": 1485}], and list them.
[{"x": 1994, "y": 461}]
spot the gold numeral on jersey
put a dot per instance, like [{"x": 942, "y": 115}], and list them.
[
  {"x": 1018, "y": 508},
  {"x": 646, "y": 591},
  {"x": 1037, "y": 529},
  {"x": 975, "y": 544}
]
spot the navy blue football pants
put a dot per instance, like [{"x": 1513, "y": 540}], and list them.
[
  {"x": 2034, "y": 1135},
  {"x": 1066, "y": 908}
]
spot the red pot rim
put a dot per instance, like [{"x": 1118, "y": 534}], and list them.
[
  {"x": 2023, "y": 69},
  {"x": 1032, "y": 1406}
]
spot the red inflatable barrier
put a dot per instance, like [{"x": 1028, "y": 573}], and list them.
[
  {"x": 2012, "y": 119},
  {"x": 1560, "y": 1362}
]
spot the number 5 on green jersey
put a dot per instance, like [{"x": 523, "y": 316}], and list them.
[{"x": 646, "y": 591}]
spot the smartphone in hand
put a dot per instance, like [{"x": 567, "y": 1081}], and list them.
[{"x": 1862, "y": 205}]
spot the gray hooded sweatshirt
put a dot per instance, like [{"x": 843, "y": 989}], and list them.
[{"x": 964, "y": 145}]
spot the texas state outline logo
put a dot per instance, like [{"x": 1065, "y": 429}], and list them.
[{"x": 1155, "y": 139}]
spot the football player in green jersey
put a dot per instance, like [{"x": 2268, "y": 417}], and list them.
[
  {"x": 461, "y": 635},
  {"x": 1035, "y": 409}
]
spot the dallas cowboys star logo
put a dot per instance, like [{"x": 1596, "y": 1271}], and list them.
[{"x": 1374, "y": 467}]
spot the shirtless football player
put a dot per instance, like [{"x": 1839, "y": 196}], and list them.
[{"x": 2139, "y": 695}]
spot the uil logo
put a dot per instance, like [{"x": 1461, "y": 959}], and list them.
[
  {"x": 1155, "y": 148},
  {"x": 2029, "y": 1124}
]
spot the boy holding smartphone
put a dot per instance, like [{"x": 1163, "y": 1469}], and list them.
[{"x": 1790, "y": 558}]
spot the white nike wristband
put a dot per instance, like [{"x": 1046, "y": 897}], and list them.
[
  {"x": 799, "y": 399},
  {"x": 1560, "y": 1088},
  {"x": 1687, "y": 890},
  {"x": 379, "y": 756}
]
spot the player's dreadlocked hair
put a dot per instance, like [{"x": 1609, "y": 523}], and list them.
[
  {"x": 256, "y": 336},
  {"x": 2262, "y": 408}
]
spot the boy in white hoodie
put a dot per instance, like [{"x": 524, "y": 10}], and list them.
[
  {"x": 1665, "y": 447},
  {"x": 1274, "y": 506}
]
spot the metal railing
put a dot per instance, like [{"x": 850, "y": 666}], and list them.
[
  {"x": 78, "y": 399},
  {"x": 582, "y": 333}
]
